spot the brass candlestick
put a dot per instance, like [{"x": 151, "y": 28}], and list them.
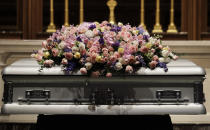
[
  {"x": 81, "y": 11},
  {"x": 157, "y": 27},
  {"x": 172, "y": 27},
  {"x": 51, "y": 26},
  {"x": 111, "y": 4},
  {"x": 66, "y": 23},
  {"x": 142, "y": 15}
]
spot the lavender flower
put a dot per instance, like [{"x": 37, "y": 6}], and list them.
[
  {"x": 70, "y": 67},
  {"x": 79, "y": 39},
  {"x": 116, "y": 29},
  {"x": 101, "y": 41},
  {"x": 116, "y": 44},
  {"x": 141, "y": 60},
  {"x": 162, "y": 65},
  {"x": 92, "y": 26},
  {"x": 67, "y": 50}
]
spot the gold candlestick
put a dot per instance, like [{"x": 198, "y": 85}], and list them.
[
  {"x": 51, "y": 26},
  {"x": 111, "y": 4},
  {"x": 172, "y": 27},
  {"x": 157, "y": 27},
  {"x": 66, "y": 23},
  {"x": 142, "y": 15},
  {"x": 81, "y": 11}
]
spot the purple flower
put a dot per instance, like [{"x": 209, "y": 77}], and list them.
[
  {"x": 67, "y": 50},
  {"x": 109, "y": 24},
  {"x": 116, "y": 29},
  {"x": 116, "y": 44},
  {"x": 141, "y": 30},
  {"x": 146, "y": 37},
  {"x": 92, "y": 26},
  {"x": 162, "y": 65},
  {"x": 141, "y": 60},
  {"x": 70, "y": 67},
  {"x": 101, "y": 40},
  {"x": 79, "y": 39}
]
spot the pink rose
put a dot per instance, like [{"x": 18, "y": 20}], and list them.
[
  {"x": 48, "y": 63},
  {"x": 153, "y": 50},
  {"x": 108, "y": 74},
  {"x": 153, "y": 64},
  {"x": 132, "y": 59},
  {"x": 113, "y": 58},
  {"x": 83, "y": 70},
  {"x": 155, "y": 58},
  {"x": 105, "y": 50},
  {"x": 64, "y": 61},
  {"x": 68, "y": 55},
  {"x": 144, "y": 49},
  {"x": 104, "y": 23},
  {"x": 40, "y": 52},
  {"x": 175, "y": 57},
  {"x": 133, "y": 49},
  {"x": 95, "y": 31},
  {"x": 160, "y": 47},
  {"x": 140, "y": 37},
  {"x": 44, "y": 44},
  {"x": 129, "y": 69},
  {"x": 105, "y": 53},
  {"x": 55, "y": 52},
  {"x": 93, "y": 49},
  {"x": 89, "y": 44},
  {"x": 116, "y": 54},
  {"x": 88, "y": 59},
  {"x": 38, "y": 57},
  {"x": 111, "y": 48}
]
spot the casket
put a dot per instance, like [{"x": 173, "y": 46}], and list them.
[{"x": 52, "y": 91}]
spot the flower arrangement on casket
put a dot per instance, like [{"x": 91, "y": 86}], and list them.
[{"x": 103, "y": 48}]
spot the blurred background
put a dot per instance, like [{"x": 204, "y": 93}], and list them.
[{"x": 29, "y": 19}]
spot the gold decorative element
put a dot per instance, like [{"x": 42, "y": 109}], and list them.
[
  {"x": 157, "y": 27},
  {"x": 66, "y": 23},
  {"x": 51, "y": 26},
  {"x": 142, "y": 15},
  {"x": 111, "y": 4},
  {"x": 172, "y": 27},
  {"x": 81, "y": 11}
]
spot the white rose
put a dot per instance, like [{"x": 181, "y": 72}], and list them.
[
  {"x": 165, "y": 53},
  {"x": 121, "y": 60},
  {"x": 61, "y": 45},
  {"x": 118, "y": 66},
  {"x": 88, "y": 65},
  {"x": 75, "y": 49},
  {"x": 165, "y": 60},
  {"x": 161, "y": 59},
  {"x": 81, "y": 46},
  {"x": 89, "y": 33},
  {"x": 135, "y": 43},
  {"x": 152, "y": 40},
  {"x": 120, "y": 24},
  {"x": 146, "y": 33}
]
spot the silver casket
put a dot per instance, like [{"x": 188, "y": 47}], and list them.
[{"x": 50, "y": 91}]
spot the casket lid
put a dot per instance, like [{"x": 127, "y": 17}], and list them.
[{"x": 29, "y": 66}]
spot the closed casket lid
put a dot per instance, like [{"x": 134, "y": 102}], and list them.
[{"x": 29, "y": 66}]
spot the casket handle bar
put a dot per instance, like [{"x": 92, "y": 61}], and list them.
[
  {"x": 168, "y": 94},
  {"x": 37, "y": 94}
]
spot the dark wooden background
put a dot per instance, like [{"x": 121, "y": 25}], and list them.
[{"x": 28, "y": 19}]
